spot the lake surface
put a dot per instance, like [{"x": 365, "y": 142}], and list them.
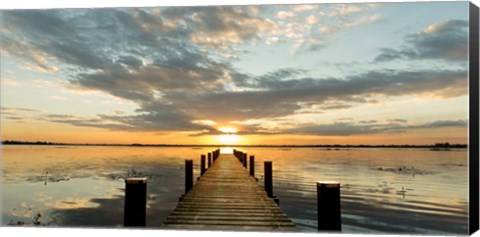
[{"x": 382, "y": 190}]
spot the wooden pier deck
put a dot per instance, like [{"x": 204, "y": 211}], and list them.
[{"x": 226, "y": 197}]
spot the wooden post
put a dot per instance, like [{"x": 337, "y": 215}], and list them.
[
  {"x": 202, "y": 165},
  {"x": 188, "y": 175},
  {"x": 252, "y": 166},
  {"x": 328, "y": 206},
  {"x": 268, "y": 178},
  {"x": 245, "y": 160},
  {"x": 135, "y": 208},
  {"x": 209, "y": 160}
]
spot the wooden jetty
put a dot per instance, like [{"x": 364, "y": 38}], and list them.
[{"x": 227, "y": 197}]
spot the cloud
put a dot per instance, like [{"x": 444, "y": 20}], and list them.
[
  {"x": 396, "y": 120},
  {"x": 15, "y": 118},
  {"x": 284, "y": 15},
  {"x": 276, "y": 98},
  {"x": 164, "y": 118},
  {"x": 443, "y": 123},
  {"x": 267, "y": 98},
  {"x": 443, "y": 83},
  {"x": 269, "y": 78},
  {"x": 447, "y": 40},
  {"x": 101, "y": 40},
  {"x": 37, "y": 60},
  {"x": 158, "y": 59},
  {"x": 368, "y": 121},
  {"x": 10, "y": 82},
  {"x": 345, "y": 9},
  {"x": 18, "y": 114},
  {"x": 97, "y": 46},
  {"x": 219, "y": 26},
  {"x": 335, "y": 129},
  {"x": 348, "y": 129},
  {"x": 301, "y": 8},
  {"x": 16, "y": 111}
]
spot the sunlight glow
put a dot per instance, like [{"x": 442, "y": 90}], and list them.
[
  {"x": 227, "y": 130},
  {"x": 228, "y": 138},
  {"x": 226, "y": 150}
]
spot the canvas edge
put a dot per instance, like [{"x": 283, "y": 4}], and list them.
[{"x": 473, "y": 118}]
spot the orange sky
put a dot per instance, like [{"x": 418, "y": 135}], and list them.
[{"x": 62, "y": 133}]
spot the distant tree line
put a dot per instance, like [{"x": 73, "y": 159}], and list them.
[{"x": 8, "y": 142}]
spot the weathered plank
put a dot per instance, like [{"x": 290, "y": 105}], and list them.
[{"x": 227, "y": 198}]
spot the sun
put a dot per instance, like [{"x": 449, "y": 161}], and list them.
[{"x": 229, "y": 136}]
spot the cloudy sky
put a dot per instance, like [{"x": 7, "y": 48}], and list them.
[{"x": 388, "y": 73}]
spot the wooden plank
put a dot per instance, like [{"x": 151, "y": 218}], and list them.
[
  {"x": 272, "y": 223},
  {"x": 228, "y": 218},
  {"x": 211, "y": 213},
  {"x": 230, "y": 227},
  {"x": 226, "y": 197}
]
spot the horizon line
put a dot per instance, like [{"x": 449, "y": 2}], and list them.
[{"x": 446, "y": 144}]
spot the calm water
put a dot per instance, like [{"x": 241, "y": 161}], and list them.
[{"x": 383, "y": 190}]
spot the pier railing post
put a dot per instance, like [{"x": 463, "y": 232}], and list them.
[
  {"x": 202, "y": 165},
  {"x": 239, "y": 156},
  {"x": 188, "y": 175},
  {"x": 135, "y": 208},
  {"x": 245, "y": 160},
  {"x": 215, "y": 155},
  {"x": 328, "y": 206},
  {"x": 209, "y": 160},
  {"x": 268, "y": 178},
  {"x": 252, "y": 166}
]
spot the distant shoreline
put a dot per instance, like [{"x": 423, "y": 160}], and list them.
[{"x": 433, "y": 146}]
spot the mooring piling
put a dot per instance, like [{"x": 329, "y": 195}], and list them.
[
  {"x": 267, "y": 174},
  {"x": 209, "y": 159},
  {"x": 245, "y": 160},
  {"x": 202, "y": 165},
  {"x": 252, "y": 166},
  {"x": 135, "y": 208},
  {"x": 328, "y": 206},
  {"x": 268, "y": 178},
  {"x": 188, "y": 175}
]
